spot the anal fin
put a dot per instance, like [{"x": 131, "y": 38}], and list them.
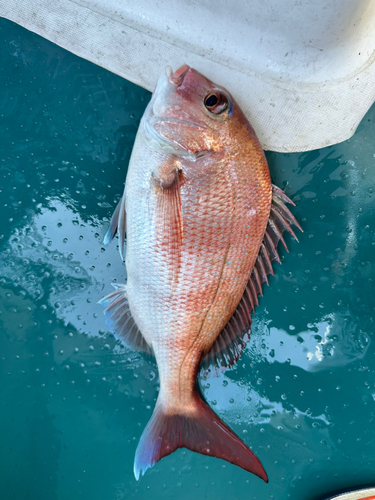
[{"x": 120, "y": 321}]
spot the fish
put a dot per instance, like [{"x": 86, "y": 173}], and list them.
[{"x": 198, "y": 223}]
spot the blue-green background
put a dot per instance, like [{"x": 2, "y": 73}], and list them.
[{"x": 74, "y": 401}]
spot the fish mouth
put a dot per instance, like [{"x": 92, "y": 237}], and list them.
[
  {"x": 168, "y": 120},
  {"x": 178, "y": 76},
  {"x": 156, "y": 113}
]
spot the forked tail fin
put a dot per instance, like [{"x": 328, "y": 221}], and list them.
[{"x": 201, "y": 430}]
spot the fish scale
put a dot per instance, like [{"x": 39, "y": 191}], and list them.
[{"x": 200, "y": 240}]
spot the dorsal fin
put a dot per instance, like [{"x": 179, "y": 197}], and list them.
[
  {"x": 229, "y": 345},
  {"x": 120, "y": 321}
]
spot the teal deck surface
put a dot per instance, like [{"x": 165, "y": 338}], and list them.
[{"x": 74, "y": 401}]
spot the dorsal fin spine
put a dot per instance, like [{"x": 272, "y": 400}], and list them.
[
  {"x": 266, "y": 259},
  {"x": 238, "y": 316},
  {"x": 249, "y": 297},
  {"x": 287, "y": 214},
  {"x": 244, "y": 320},
  {"x": 279, "y": 194},
  {"x": 212, "y": 358},
  {"x": 233, "y": 337},
  {"x": 246, "y": 306},
  {"x": 253, "y": 292},
  {"x": 222, "y": 347},
  {"x": 281, "y": 221},
  {"x": 261, "y": 269},
  {"x": 270, "y": 245},
  {"x": 228, "y": 352},
  {"x": 245, "y": 313},
  {"x": 257, "y": 281},
  {"x": 234, "y": 320},
  {"x": 276, "y": 233}
]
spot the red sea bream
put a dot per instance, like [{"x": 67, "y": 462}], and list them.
[{"x": 202, "y": 223}]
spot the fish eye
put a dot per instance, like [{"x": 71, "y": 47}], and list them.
[{"x": 216, "y": 102}]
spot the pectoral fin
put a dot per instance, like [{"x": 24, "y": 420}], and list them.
[{"x": 168, "y": 220}]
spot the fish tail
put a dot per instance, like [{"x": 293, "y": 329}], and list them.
[{"x": 198, "y": 429}]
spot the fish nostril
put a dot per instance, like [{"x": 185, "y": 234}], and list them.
[{"x": 178, "y": 76}]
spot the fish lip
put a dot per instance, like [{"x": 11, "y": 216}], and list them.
[
  {"x": 168, "y": 119},
  {"x": 178, "y": 76},
  {"x": 160, "y": 143}
]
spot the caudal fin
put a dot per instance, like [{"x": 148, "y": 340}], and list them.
[{"x": 201, "y": 431}]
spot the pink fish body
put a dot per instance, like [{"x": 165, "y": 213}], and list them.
[{"x": 202, "y": 223}]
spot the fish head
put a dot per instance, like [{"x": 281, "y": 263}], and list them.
[{"x": 191, "y": 116}]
